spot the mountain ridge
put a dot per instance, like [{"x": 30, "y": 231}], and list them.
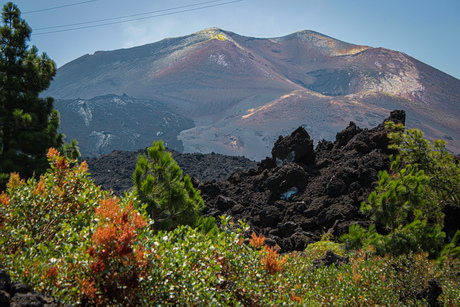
[{"x": 221, "y": 79}]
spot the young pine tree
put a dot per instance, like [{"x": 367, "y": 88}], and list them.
[
  {"x": 410, "y": 198},
  {"x": 28, "y": 124},
  {"x": 170, "y": 197}
]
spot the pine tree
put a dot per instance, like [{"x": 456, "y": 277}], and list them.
[
  {"x": 170, "y": 197},
  {"x": 28, "y": 123},
  {"x": 409, "y": 199},
  {"x": 71, "y": 150}
]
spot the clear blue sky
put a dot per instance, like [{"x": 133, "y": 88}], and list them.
[{"x": 425, "y": 29}]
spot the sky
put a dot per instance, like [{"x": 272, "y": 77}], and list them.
[{"x": 424, "y": 29}]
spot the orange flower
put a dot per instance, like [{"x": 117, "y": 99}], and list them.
[
  {"x": 124, "y": 249},
  {"x": 109, "y": 209},
  {"x": 98, "y": 266},
  {"x": 105, "y": 235},
  {"x": 296, "y": 298},
  {"x": 61, "y": 163},
  {"x": 4, "y": 199},
  {"x": 83, "y": 167},
  {"x": 139, "y": 221},
  {"x": 88, "y": 288}
]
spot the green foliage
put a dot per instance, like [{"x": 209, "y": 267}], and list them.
[
  {"x": 318, "y": 249},
  {"x": 170, "y": 197},
  {"x": 28, "y": 124},
  {"x": 433, "y": 159},
  {"x": 45, "y": 225},
  {"x": 357, "y": 237},
  {"x": 62, "y": 236},
  {"x": 452, "y": 249},
  {"x": 207, "y": 225},
  {"x": 400, "y": 203},
  {"x": 400, "y": 194},
  {"x": 71, "y": 150},
  {"x": 409, "y": 199}
]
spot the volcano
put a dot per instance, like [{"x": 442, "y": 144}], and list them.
[{"x": 241, "y": 93}]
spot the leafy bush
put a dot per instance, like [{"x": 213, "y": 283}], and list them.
[
  {"x": 63, "y": 236},
  {"x": 45, "y": 224},
  {"x": 117, "y": 262},
  {"x": 433, "y": 158},
  {"x": 319, "y": 249}
]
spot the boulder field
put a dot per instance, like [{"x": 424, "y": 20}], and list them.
[{"x": 302, "y": 192}]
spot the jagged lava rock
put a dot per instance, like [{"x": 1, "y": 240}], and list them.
[
  {"x": 296, "y": 147},
  {"x": 300, "y": 192}
]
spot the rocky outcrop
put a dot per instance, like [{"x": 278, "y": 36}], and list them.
[
  {"x": 431, "y": 293},
  {"x": 300, "y": 192},
  {"x": 330, "y": 258},
  {"x": 16, "y": 294}
]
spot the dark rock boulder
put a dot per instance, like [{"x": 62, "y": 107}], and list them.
[
  {"x": 286, "y": 178},
  {"x": 297, "y": 147},
  {"x": 303, "y": 190},
  {"x": 431, "y": 293},
  {"x": 346, "y": 135},
  {"x": 28, "y": 300},
  {"x": 329, "y": 259},
  {"x": 16, "y": 294},
  {"x": 5, "y": 281}
]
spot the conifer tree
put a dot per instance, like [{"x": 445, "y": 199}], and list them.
[
  {"x": 28, "y": 123},
  {"x": 409, "y": 199},
  {"x": 170, "y": 197}
]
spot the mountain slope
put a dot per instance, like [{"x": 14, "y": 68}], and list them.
[
  {"x": 243, "y": 92},
  {"x": 105, "y": 123}
]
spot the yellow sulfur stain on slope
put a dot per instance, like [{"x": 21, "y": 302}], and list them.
[{"x": 220, "y": 37}]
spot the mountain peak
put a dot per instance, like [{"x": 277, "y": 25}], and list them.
[
  {"x": 214, "y": 33},
  {"x": 323, "y": 42},
  {"x": 242, "y": 92}
]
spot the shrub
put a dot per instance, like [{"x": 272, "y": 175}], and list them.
[
  {"x": 117, "y": 262},
  {"x": 319, "y": 249},
  {"x": 410, "y": 197},
  {"x": 433, "y": 158},
  {"x": 45, "y": 224}
]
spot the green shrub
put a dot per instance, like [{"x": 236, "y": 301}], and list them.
[
  {"x": 319, "y": 249},
  {"x": 45, "y": 225}
]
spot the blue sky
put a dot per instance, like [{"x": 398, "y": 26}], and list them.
[{"x": 424, "y": 29}]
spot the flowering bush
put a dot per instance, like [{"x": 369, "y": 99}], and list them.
[
  {"x": 45, "y": 224},
  {"x": 63, "y": 236}
]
